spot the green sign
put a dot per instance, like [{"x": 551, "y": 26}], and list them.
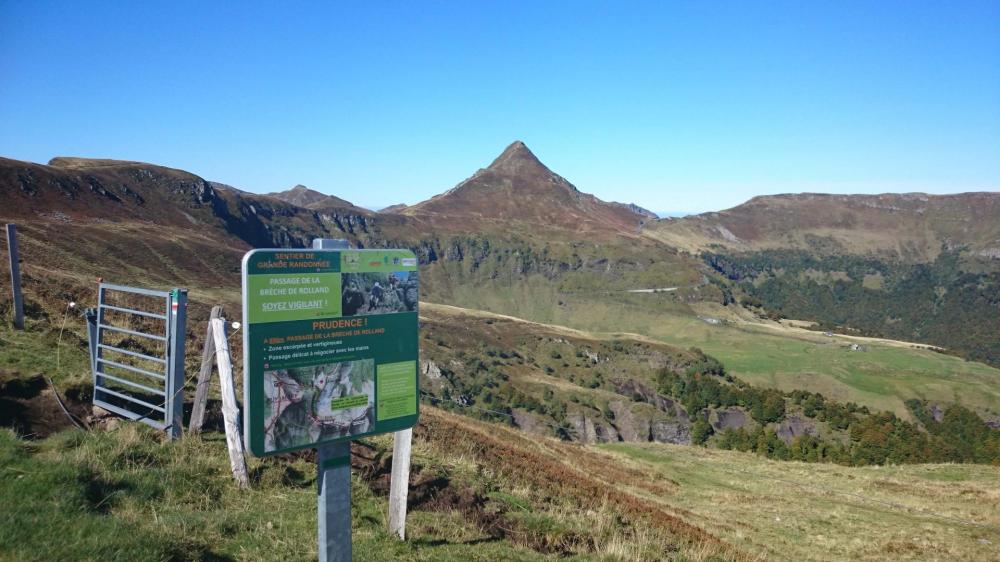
[{"x": 329, "y": 346}]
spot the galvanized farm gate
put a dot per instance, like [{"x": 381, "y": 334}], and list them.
[{"x": 137, "y": 354}]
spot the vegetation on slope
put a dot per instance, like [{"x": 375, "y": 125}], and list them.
[
  {"x": 951, "y": 302},
  {"x": 123, "y": 493},
  {"x": 786, "y": 510},
  {"x": 579, "y": 386}
]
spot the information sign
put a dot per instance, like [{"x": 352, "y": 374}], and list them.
[{"x": 330, "y": 346}]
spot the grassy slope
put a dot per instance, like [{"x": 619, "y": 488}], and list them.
[
  {"x": 881, "y": 378},
  {"x": 793, "y": 511},
  {"x": 125, "y": 495}
]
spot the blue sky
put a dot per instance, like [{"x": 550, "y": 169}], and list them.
[{"x": 678, "y": 106}]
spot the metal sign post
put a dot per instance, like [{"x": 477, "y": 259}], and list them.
[
  {"x": 333, "y": 463},
  {"x": 330, "y": 355}
]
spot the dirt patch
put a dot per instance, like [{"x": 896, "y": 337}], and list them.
[{"x": 28, "y": 405}]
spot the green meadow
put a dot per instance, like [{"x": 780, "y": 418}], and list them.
[{"x": 881, "y": 377}]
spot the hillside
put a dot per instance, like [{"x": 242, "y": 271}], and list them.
[
  {"x": 913, "y": 266},
  {"x": 517, "y": 190},
  {"x": 81, "y": 221},
  {"x": 478, "y": 490},
  {"x": 914, "y": 227},
  {"x": 302, "y": 196},
  {"x": 485, "y": 493},
  {"x": 544, "y": 345}
]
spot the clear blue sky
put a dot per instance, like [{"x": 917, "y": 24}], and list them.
[{"x": 678, "y": 106}]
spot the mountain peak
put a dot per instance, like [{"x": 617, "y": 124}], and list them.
[
  {"x": 517, "y": 159},
  {"x": 517, "y": 188}
]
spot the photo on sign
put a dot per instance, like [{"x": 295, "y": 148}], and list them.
[
  {"x": 306, "y": 405},
  {"x": 379, "y": 293}
]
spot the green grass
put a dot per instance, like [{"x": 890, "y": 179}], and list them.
[
  {"x": 40, "y": 349},
  {"x": 124, "y": 495},
  {"x": 882, "y": 378},
  {"x": 793, "y": 511}
]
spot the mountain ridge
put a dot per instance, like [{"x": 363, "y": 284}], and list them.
[
  {"x": 518, "y": 188},
  {"x": 307, "y": 198},
  {"x": 908, "y": 226}
]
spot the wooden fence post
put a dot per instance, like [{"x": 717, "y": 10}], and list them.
[
  {"x": 230, "y": 412},
  {"x": 15, "y": 276},
  {"x": 204, "y": 376},
  {"x": 399, "y": 486}
]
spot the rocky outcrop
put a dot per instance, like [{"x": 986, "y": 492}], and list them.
[
  {"x": 640, "y": 391},
  {"x": 529, "y": 422},
  {"x": 430, "y": 370},
  {"x": 639, "y": 422},
  {"x": 587, "y": 430},
  {"x": 729, "y": 418},
  {"x": 794, "y": 426},
  {"x": 666, "y": 431},
  {"x": 631, "y": 427}
]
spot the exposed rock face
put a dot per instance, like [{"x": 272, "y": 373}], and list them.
[
  {"x": 671, "y": 432},
  {"x": 729, "y": 418},
  {"x": 587, "y": 430},
  {"x": 795, "y": 426},
  {"x": 528, "y": 422},
  {"x": 631, "y": 427},
  {"x": 430, "y": 370},
  {"x": 663, "y": 420},
  {"x": 937, "y": 412},
  {"x": 639, "y": 390}
]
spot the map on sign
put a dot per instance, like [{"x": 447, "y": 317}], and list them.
[{"x": 330, "y": 347}]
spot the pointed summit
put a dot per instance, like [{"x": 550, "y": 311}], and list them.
[
  {"x": 517, "y": 158},
  {"x": 516, "y": 188}
]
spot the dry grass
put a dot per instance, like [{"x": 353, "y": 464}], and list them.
[{"x": 796, "y": 511}]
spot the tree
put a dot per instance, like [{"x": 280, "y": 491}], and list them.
[{"x": 701, "y": 431}]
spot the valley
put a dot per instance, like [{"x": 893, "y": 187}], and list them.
[{"x": 558, "y": 332}]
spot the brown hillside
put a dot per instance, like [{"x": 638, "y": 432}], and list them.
[
  {"x": 131, "y": 221},
  {"x": 302, "y": 196},
  {"x": 135, "y": 222},
  {"x": 911, "y": 226},
  {"x": 518, "y": 188},
  {"x": 393, "y": 208}
]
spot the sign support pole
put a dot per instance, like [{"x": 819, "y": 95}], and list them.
[
  {"x": 333, "y": 463},
  {"x": 399, "y": 486},
  {"x": 334, "y": 479}
]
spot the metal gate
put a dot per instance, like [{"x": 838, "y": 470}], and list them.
[{"x": 137, "y": 354}]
